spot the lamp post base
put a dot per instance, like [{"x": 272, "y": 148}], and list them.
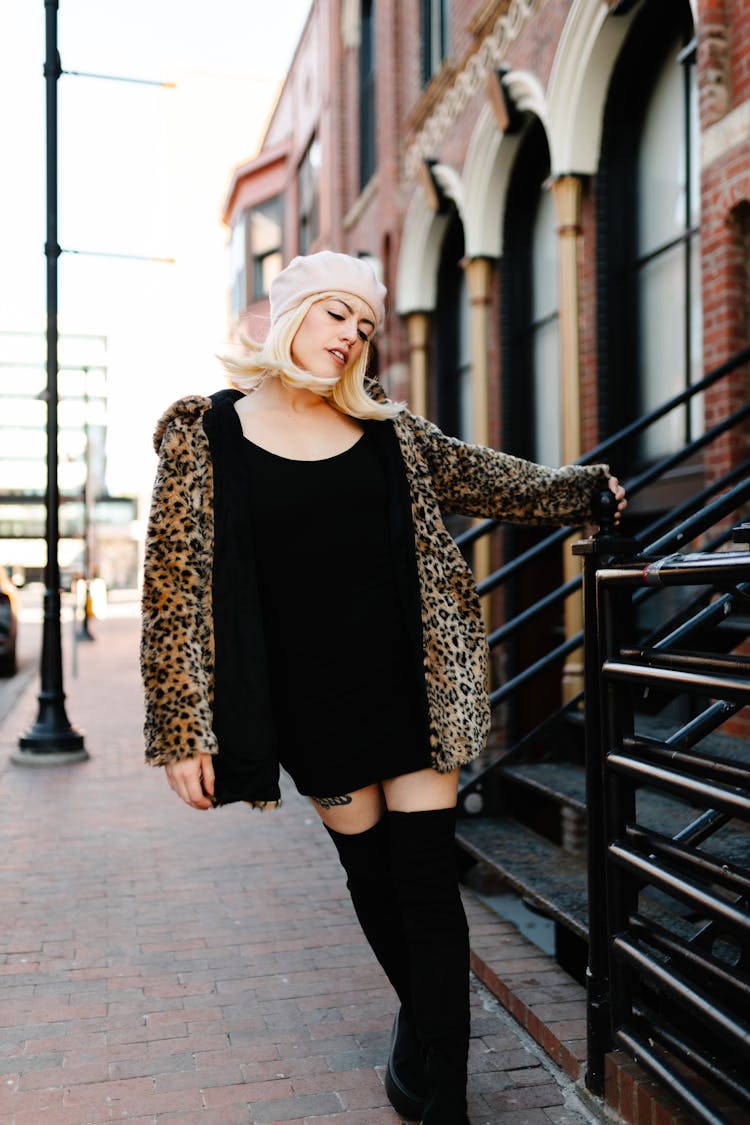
[
  {"x": 52, "y": 741},
  {"x": 37, "y": 758}
]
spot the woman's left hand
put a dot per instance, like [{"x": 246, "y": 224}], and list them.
[{"x": 619, "y": 493}]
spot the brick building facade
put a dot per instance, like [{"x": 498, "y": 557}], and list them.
[
  {"x": 557, "y": 195},
  {"x": 545, "y": 185}
]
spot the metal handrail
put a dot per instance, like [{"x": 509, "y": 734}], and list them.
[
  {"x": 695, "y": 505},
  {"x": 646, "y": 420},
  {"x": 699, "y": 516},
  {"x": 694, "y": 502},
  {"x": 633, "y": 429},
  {"x": 687, "y": 530},
  {"x": 632, "y": 957},
  {"x": 676, "y": 764}
]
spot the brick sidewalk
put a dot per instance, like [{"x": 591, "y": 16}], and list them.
[{"x": 163, "y": 965}]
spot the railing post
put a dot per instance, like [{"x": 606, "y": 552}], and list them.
[{"x": 594, "y": 553}]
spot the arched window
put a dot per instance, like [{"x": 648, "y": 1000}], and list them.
[
  {"x": 530, "y": 336},
  {"x": 649, "y": 295},
  {"x": 451, "y": 391},
  {"x": 530, "y": 394}
]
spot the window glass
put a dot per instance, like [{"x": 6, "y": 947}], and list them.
[
  {"x": 662, "y": 166},
  {"x": 309, "y": 196},
  {"x": 265, "y": 245},
  {"x": 531, "y": 398},
  {"x": 668, "y": 296},
  {"x": 465, "y": 398},
  {"x": 255, "y": 253},
  {"x": 662, "y": 347},
  {"x": 238, "y": 295},
  {"x": 546, "y": 335}
]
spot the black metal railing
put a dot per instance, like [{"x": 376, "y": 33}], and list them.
[
  {"x": 669, "y": 884},
  {"x": 694, "y": 517}
]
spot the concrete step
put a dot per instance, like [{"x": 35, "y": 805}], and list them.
[{"x": 546, "y": 876}]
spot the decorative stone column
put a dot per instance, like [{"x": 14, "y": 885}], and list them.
[
  {"x": 417, "y": 328},
  {"x": 478, "y": 279},
  {"x": 566, "y": 193}
]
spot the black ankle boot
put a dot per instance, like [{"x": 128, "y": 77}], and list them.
[
  {"x": 446, "y": 1082},
  {"x": 405, "y": 1081}
]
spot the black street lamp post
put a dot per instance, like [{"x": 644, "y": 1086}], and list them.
[{"x": 51, "y": 740}]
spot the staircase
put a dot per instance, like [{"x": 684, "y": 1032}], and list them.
[{"x": 524, "y": 818}]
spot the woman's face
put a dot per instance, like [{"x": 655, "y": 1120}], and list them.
[{"x": 331, "y": 337}]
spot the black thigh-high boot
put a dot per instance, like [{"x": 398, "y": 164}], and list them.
[
  {"x": 366, "y": 859},
  {"x": 426, "y": 880}
]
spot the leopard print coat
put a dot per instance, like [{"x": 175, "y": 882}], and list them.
[{"x": 443, "y": 474}]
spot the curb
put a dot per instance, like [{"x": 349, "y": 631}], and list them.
[{"x": 551, "y": 1007}]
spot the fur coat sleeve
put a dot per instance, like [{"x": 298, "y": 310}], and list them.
[
  {"x": 474, "y": 480},
  {"x": 177, "y": 638}
]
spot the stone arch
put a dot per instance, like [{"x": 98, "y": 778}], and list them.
[
  {"x": 489, "y": 162},
  {"x": 452, "y": 187},
  {"x": 419, "y": 257},
  {"x": 577, "y": 92}
]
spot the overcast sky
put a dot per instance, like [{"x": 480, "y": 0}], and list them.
[{"x": 142, "y": 171}]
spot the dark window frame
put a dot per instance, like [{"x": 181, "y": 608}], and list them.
[
  {"x": 435, "y": 25},
  {"x": 446, "y": 387},
  {"x": 257, "y": 261},
  {"x": 367, "y": 95},
  {"x": 518, "y": 326},
  {"x": 308, "y": 212},
  {"x": 619, "y": 263},
  {"x": 244, "y": 288}
]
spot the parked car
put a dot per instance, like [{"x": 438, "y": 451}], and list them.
[{"x": 8, "y": 624}]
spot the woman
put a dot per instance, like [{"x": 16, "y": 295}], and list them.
[{"x": 304, "y": 605}]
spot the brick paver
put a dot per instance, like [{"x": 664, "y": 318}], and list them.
[{"x": 163, "y": 965}]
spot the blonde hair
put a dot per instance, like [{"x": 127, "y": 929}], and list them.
[{"x": 274, "y": 357}]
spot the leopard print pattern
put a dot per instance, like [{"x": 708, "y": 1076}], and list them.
[
  {"x": 447, "y": 474},
  {"x": 177, "y": 654},
  {"x": 176, "y": 639}
]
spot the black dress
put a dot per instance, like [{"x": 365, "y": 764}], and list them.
[{"x": 339, "y": 660}]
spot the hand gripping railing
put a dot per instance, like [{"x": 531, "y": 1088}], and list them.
[{"x": 670, "y": 985}]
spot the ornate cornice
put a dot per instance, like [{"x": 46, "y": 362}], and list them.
[
  {"x": 469, "y": 81},
  {"x": 481, "y": 22}
]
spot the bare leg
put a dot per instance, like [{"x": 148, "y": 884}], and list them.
[
  {"x": 350, "y": 813},
  {"x": 420, "y": 791}
]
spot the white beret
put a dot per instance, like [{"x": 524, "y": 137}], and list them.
[{"x": 322, "y": 273}]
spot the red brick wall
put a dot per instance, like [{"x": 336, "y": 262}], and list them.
[
  {"x": 724, "y": 68},
  {"x": 724, "y": 73},
  {"x": 739, "y": 50}
]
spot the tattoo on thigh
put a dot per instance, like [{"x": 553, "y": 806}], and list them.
[{"x": 332, "y": 802}]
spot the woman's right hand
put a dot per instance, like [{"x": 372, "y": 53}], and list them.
[{"x": 193, "y": 780}]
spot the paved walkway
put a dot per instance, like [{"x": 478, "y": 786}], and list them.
[{"x": 163, "y": 965}]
